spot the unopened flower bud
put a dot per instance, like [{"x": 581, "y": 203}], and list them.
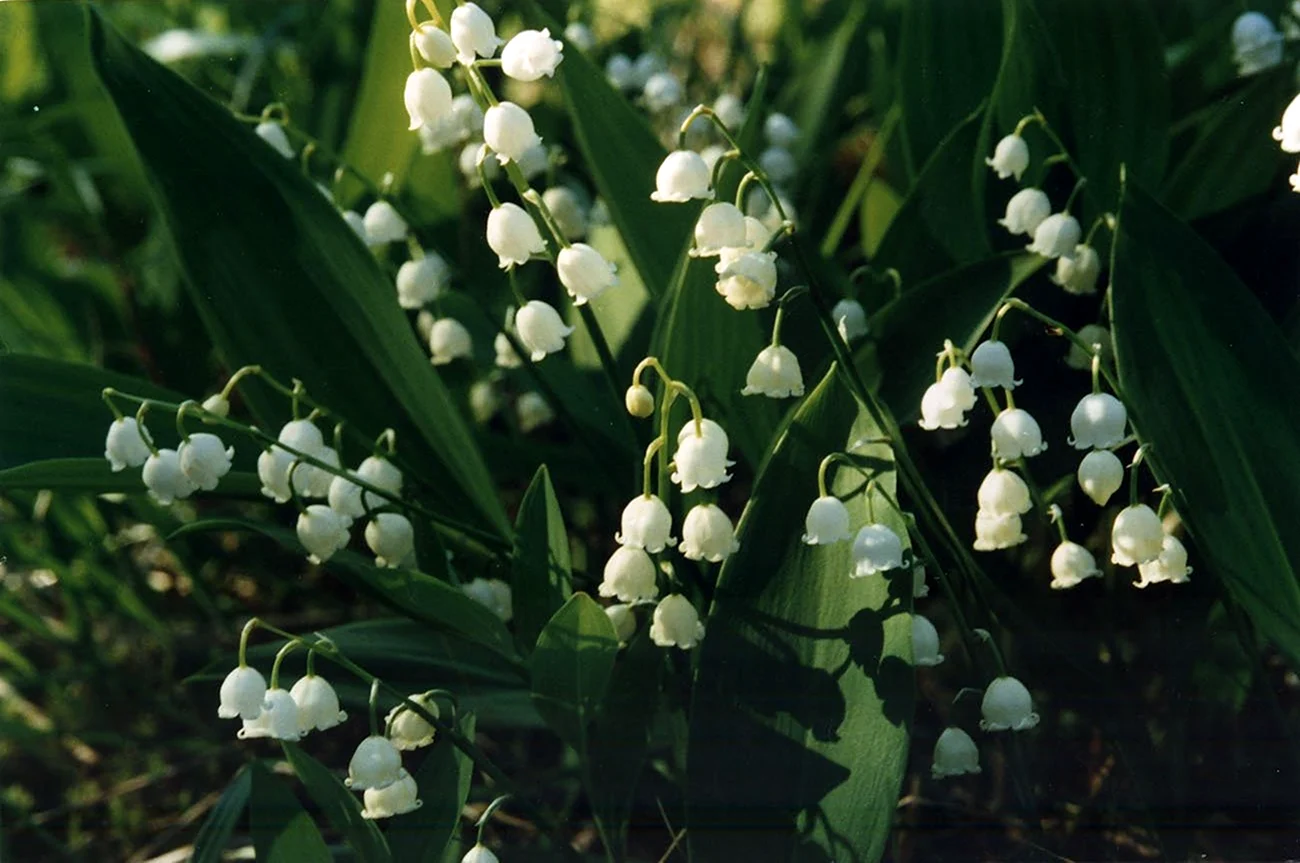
[
  {"x": 1100, "y": 475},
  {"x": 662, "y": 91},
  {"x": 217, "y": 404},
  {"x": 639, "y": 401},
  {"x": 435, "y": 45},
  {"x": 780, "y": 130},
  {"x": 273, "y": 133},
  {"x": 681, "y": 176}
]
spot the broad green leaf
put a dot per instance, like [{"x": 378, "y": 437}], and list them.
[
  {"x": 280, "y": 280},
  {"x": 444, "y": 779},
  {"x": 827, "y": 81},
  {"x": 282, "y": 830},
  {"x": 540, "y": 577},
  {"x": 571, "y": 668},
  {"x": 880, "y": 206},
  {"x": 214, "y": 835},
  {"x": 94, "y": 476},
  {"x": 804, "y": 687},
  {"x": 1211, "y": 385},
  {"x": 340, "y": 806}
]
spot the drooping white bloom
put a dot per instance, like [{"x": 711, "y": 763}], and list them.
[
  {"x": 779, "y": 165},
  {"x": 391, "y": 537},
  {"x": 204, "y": 459},
  {"x": 925, "y": 642},
  {"x": 1003, "y": 492},
  {"x": 468, "y": 163},
  {"x": 646, "y": 523},
  {"x": 434, "y": 45},
  {"x": 541, "y": 329},
  {"x": 1078, "y": 274},
  {"x": 217, "y": 404},
  {"x": 580, "y": 36},
  {"x": 484, "y": 400},
  {"x": 993, "y": 531},
  {"x": 422, "y": 281},
  {"x": 1100, "y": 475},
  {"x": 1072, "y": 563},
  {"x": 380, "y": 473},
  {"x": 638, "y": 401},
  {"x": 397, "y": 799},
  {"x": 946, "y": 401},
  {"x": 662, "y": 91},
  {"x": 1010, "y": 157},
  {"x": 876, "y": 548},
  {"x": 1026, "y": 210},
  {"x": 850, "y": 318},
  {"x": 568, "y": 210},
  {"x": 318, "y": 704},
  {"x": 774, "y": 373},
  {"x": 273, "y": 134},
  {"x": 449, "y": 341},
  {"x": 311, "y": 481},
  {"x": 513, "y": 235},
  {"x": 278, "y": 719},
  {"x": 730, "y": 110},
  {"x": 163, "y": 477},
  {"x": 629, "y": 575},
  {"x": 707, "y": 534},
  {"x": 746, "y": 279},
  {"x": 409, "y": 730},
  {"x": 701, "y": 457},
  {"x": 1288, "y": 133},
  {"x": 1016, "y": 434},
  {"x": 533, "y": 411},
  {"x": 682, "y": 176},
  {"x": 827, "y": 522},
  {"x": 720, "y": 225},
  {"x": 508, "y": 130},
  {"x": 991, "y": 366},
  {"x": 375, "y": 764},
  {"x": 619, "y": 72},
  {"x": 242, "y": 693},
  {"x": 384, "y": 224},
  {"x": 624, "y": 621},
  {"x": 757, "y": 234},
  {"x": 357, "y": 223},
  {"x": 273, "y": 470},
  {"x": 473, "y": 33},
  {"x": 492, "y": 593},
  {"x": 1256, "y": 44},
  {"x": 780, "y": 130},
  {"x": 1098, "y": 422},
  {"x": 1170, "y": 565},
  {"x": 427, "y": 97},
  {"x": 506, "y": 355},
  {"x": 531, "y": 54},
  {"x": 1099, "y": 338},
  {"x": 1007, "y": 706},
  {"x": 1137, "y": 536},
  {"x": 584, "y": 272},
  {"x": 955, "y": 754},
  {"x": 124, "y": 446},
  {"x": 676, "y": 623},
  {"x": 1056, "y": 236},
  {"x": 480, "y": 853},
  {"x": 322, "y": 531}
]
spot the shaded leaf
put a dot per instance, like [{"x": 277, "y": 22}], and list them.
[
  {"x": 341, "y": 806},
  {"x": 94, "y": 476},
  {"x": 214, "y": 835},
  {"x": 540, "y": 575},
  {"x": 571, "y": 668},
  {"x": 282, "y": 830}
]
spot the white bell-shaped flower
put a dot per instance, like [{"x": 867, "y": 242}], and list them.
[
  {"x": 124, "y": 446},
  {"x": 1003, "y": 492},
  {"x": 1007, "y": 706},
  {"x": 1010, "y": 157},
  {"x": 701, "y": 458},
  {"x": 707, "y": 534},
  {"x": 662, "y": 91},
  {"x": 1072, "y": 563},
  {"x": 620, "y": 72},
  {"x": 322, "y": 531},
  {"x": 1015, "y": 434},
  {"x": 1100, "y": 475},
  {"x": 493, "y": 594},
  {"x": 720, "y": 225},
  {"x": 468, "y": 161},
  {"x": 629, "y": 575},
  {"x": 163, "y": 477},
  {"x": 473, "y": 33},
  {"x": 375, "y": 764},
  {"x": 449, "y": 341},
  {"x": 242, "y": 693},
  {"x": 217, "y": 404},
  {"x": 204, "y": 459},
  {"x": 533, "y": 411},
  {"x": 584, "y": 272},
  {"x": 1056, "y": 236},
  {"x": 273, "y": 470},
  {"x": 780, "y": 130},
  {"x": 746, "y": 279},
  {"x": 311, "y": 481},
  {"x": 646, "y": 523},
  {"x": 391, "y": 538},
  {"x": 757, "y": 234},
  {"x": 925, "y": 642},
  {"x": 427, "y": 97},
  {"x": 682, "y": 176},
  {"x": 1288, "y": 133},
  {"x": 541, "y": 329},
  {"x": 484, "y": 400},
  {"x": 422, "y": 281},
  {"x": 409, "y": 730},
  {"x": 827, "y": 522},
  {"x": 579, "y": 35},
  {"x": 991, "y": 366},
  {"x": 508, "y": 130},
  {"x": 779, "y": 164},
  {"x": 994, "y": 531},
  {"x": 1026, "y": 210},
  {"x": 774, "y": 373},
  {"x": 624, "y": 621},
  {"x": 480, "y": 853},
  {"x": 1098, "y": 422},
  {"x": 278, "y": 719},
  {"x": 568, "y": 210},
  {"x": 345, "y": 496},
  {"x": 876, "y": 548},
  {"x": 1137, "y": 536},
  {"x": 946, "y": 401},
  {"x": 397, "y": 799},
  {"x": 273, "y": 133},
  {"x": 1078, "y": 274},
  {"x": 384, "y": 224},
  {"x": 1170, "y": 566},
  {"x": 531, "y": 54},
  {"x": 851, "y": 319},
  {"x": 729, "y": 108},
  {"x": 955, "y": 754},
  {"x": 1256, "y": 44},
  {"x": 513, "y": 235},
  {"x": 318, "y": 704},
  {"x": 434, "y": 45},
  {"x": 676, "y": 623},
  {"x": 638, "y": 401},
  {"x": 1098, "y": 338}
]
